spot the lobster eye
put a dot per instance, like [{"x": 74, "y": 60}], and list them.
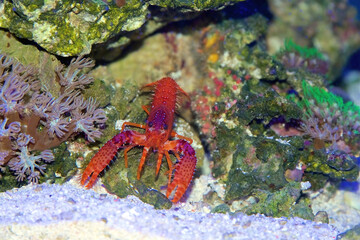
[
  {"x": 150, "y": 124},
  {"x": 165, "y": 126}
]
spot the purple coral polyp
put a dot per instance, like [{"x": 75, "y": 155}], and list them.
[
  {"x": 32, "y": 121},
  {"x": 26, "y": 164},
  {"x": 9, "y": 130}
]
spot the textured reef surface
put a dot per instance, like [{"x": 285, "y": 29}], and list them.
[
  {"x": 69, "y": 28},
  {"x": 272, "y": 129}
]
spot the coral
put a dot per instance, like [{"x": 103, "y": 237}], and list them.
[
  {"x": 326, "y": 116},
  {"x": 266, "y": 168},
  {"x": 294, "y": 56},
  {"x": 246, "y": 97},
  {"x": 291, "y": 46},
  {"x": 32, "y": 120},
  {"x": 333, "y": 127},
  {"x": 329, "y": 26}
]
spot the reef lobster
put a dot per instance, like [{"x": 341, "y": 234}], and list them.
[{"x": 158, "y": 132}]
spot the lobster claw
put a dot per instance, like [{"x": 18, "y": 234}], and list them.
[
  {"x": 97, "y": 164},
  {"x": 104, "y": 156},
  {"x": 184, "y": 170}
]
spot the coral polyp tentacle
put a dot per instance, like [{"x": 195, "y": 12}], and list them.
[{"x": 158, "y": 131}]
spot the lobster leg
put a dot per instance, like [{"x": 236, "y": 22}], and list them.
[
  {"x": 174, "y": 134},
  {"x": 168, "y": 159},
  {"x": 158, "y": 164},
  {"x": 142, "y": 161},
  {"x": 103, "y": 157},
  {"x": 184, "y": 169},
  {"x": 170, "y": 166},
  {"x": 125, "y": 154},
  {"x": 133, "y": 125}
]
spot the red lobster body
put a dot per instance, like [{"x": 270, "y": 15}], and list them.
[{"x": 158, "y": 131}]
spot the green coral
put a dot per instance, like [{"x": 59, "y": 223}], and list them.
[
  {"x": 295, "y": 57},
  {"x": 291, "y": 46},
  {"x": 318, "y": 101},
  {"x": 28, "y": 54},
  {"x": 327, "y": 120},
  {"x": 326, "y": 116}
]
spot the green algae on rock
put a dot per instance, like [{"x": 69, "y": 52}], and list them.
[
  {"x": 353, "y": 233},
  {"x": 265, "y": 104},
  {"x": 247, "y": 101},
  {"x": 69, "y": 28},
  {"x": 339, "y": 168},
  {"x": 281, "y": 203},
  {"x": 64, "y": 166},
  {"x": 122, "y": 181},
  {"x": 251, "y": 113},
  {"x": 197, "y": 5},
  {"x": 260, "y": 163}
]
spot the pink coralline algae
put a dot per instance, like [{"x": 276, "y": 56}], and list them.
[{"x": 32, "y": 120}]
